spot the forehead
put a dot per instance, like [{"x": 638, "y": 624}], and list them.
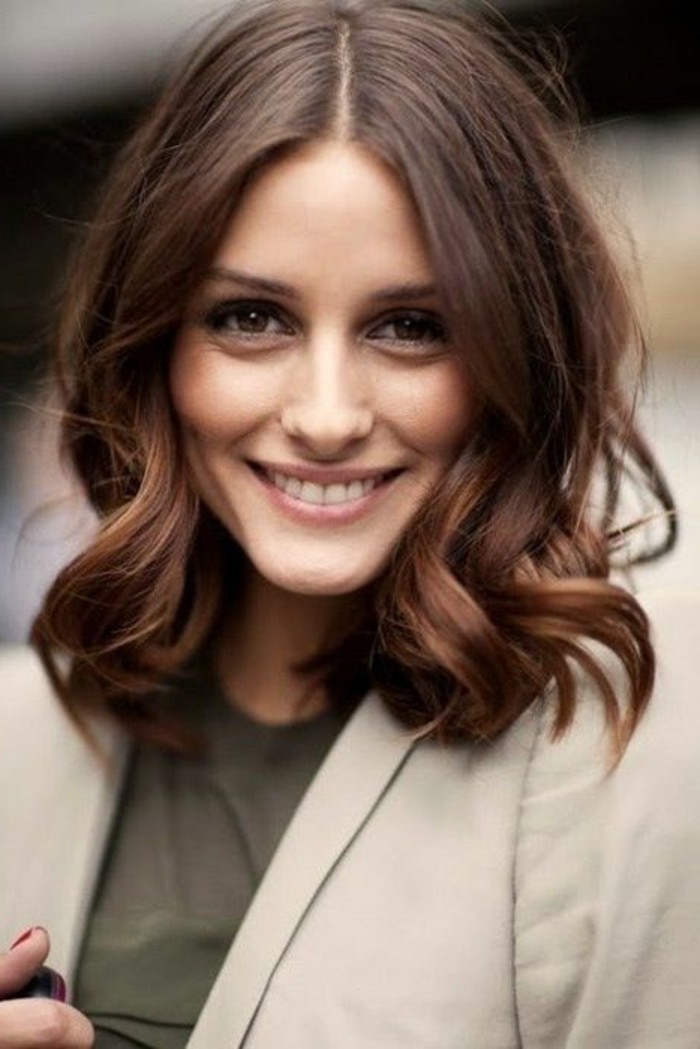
[{"x": 331, "y": 204}]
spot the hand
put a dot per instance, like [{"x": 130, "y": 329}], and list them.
[{"x": 36, "y": 1023}]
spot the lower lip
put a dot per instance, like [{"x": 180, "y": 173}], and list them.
[{"x": 320, "y": 514}]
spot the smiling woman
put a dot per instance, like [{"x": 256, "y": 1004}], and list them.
[
  {"x": 341, "y": 365},
  {"x": 459, "y": 184},
  {"x": 310, "y": 417}
]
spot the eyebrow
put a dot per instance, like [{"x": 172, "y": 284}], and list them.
[{"x": 391, "y": 293}]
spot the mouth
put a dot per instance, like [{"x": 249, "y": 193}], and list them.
[{"x": 343, "y": 487}]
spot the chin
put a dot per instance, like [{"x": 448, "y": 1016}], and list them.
[{"x": 318, "y": 579}]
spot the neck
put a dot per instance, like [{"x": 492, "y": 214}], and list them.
[{"x": 268, "y": 633}]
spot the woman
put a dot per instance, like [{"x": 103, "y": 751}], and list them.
[{"x": 340, "y": 362}]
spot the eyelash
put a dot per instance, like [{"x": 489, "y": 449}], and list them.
[{"x": 216, "y": 320}]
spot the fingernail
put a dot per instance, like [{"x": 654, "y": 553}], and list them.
[
  {"x": 25, "y": 935},
  {"x": 60, "y": 992}
]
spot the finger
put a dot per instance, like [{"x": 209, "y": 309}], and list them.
[
  {"x": 40, "y": 1023},
  {"x": 20, "y": 963}
]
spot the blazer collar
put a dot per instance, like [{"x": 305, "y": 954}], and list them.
[{"x": 351, "y": 781}]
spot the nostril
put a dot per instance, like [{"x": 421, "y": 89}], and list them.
[{"x": 327, "y": 429}]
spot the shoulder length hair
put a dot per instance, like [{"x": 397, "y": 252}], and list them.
[{"x": 501, "y": 583}]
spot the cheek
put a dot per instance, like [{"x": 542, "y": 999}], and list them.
[
  {"x": 435, "y": 410},
  {"x": 212, "y": 398}
]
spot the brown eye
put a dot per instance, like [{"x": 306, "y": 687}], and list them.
[
  {"x": 246, "y": 319},
  {"x": 412, "y": 327},
  {"x": 252, "y": 320}
]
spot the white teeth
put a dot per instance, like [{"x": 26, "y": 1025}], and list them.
[
  {"x": 311, "y": 493},
  {"x": 336, "y": 493},
  {"x": 322, "y": 495}
]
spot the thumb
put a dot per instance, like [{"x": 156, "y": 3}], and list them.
[{"x": 20, "y": 963}]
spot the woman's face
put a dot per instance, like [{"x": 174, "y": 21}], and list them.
[{"x": 313, "y": 378}]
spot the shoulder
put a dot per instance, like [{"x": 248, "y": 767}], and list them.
[
  {"x": 25, "y": 690},
  {"x": 18, "y": 662},
  {"x": 655, "y": 791},
  {"x": 33, "y": 723},
  {"x": 670, "y": 726},
  {"x": 675, "y": 629},
  {"x": 658, "y": 779},
  {"x": 661, "y": 764},
  {"x": 35, "y": 729},
  {"x": 675, "y": 623},
  {"x": 608, "y": 863}
]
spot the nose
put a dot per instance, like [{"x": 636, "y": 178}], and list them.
[{"x": 327, "y": 403}]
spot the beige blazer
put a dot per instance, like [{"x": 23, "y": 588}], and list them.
[{"x": 422, "y": 897}]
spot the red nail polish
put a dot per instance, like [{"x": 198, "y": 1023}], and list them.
[
  {"x": 60, "y": 991},
  {"x": 25, "y": 935}
]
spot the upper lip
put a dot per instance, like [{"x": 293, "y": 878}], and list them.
[{"x": 324, "y": 474}]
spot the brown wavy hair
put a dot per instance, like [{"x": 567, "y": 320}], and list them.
[{"x": 501, "y": 582}]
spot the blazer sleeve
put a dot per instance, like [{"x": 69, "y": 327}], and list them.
[{"x": 607, "y": 881}]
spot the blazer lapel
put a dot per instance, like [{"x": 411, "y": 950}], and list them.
[
  {"x": 350, "y": 783},
  {"x": 86, "y": 832},
  {"x": 65, "y": 805}
]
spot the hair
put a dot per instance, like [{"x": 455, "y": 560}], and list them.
[{"x": 500, "y": 585}]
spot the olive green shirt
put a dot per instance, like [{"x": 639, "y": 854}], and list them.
[{"x": 192, "y": 840}]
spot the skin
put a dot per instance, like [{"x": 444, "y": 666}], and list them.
[
  {"x": 35, "y": 1023},
  {"x": 335, "y": 371}
]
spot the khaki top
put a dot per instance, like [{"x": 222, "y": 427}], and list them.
[{"x": 192, "y": 839}]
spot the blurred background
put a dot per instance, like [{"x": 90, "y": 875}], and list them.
[{"x": 75, "y": 74}]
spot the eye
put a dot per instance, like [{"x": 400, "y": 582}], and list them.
[
  {"x": 411, "y": 329},
  {"x": 246, "y": 319}
]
